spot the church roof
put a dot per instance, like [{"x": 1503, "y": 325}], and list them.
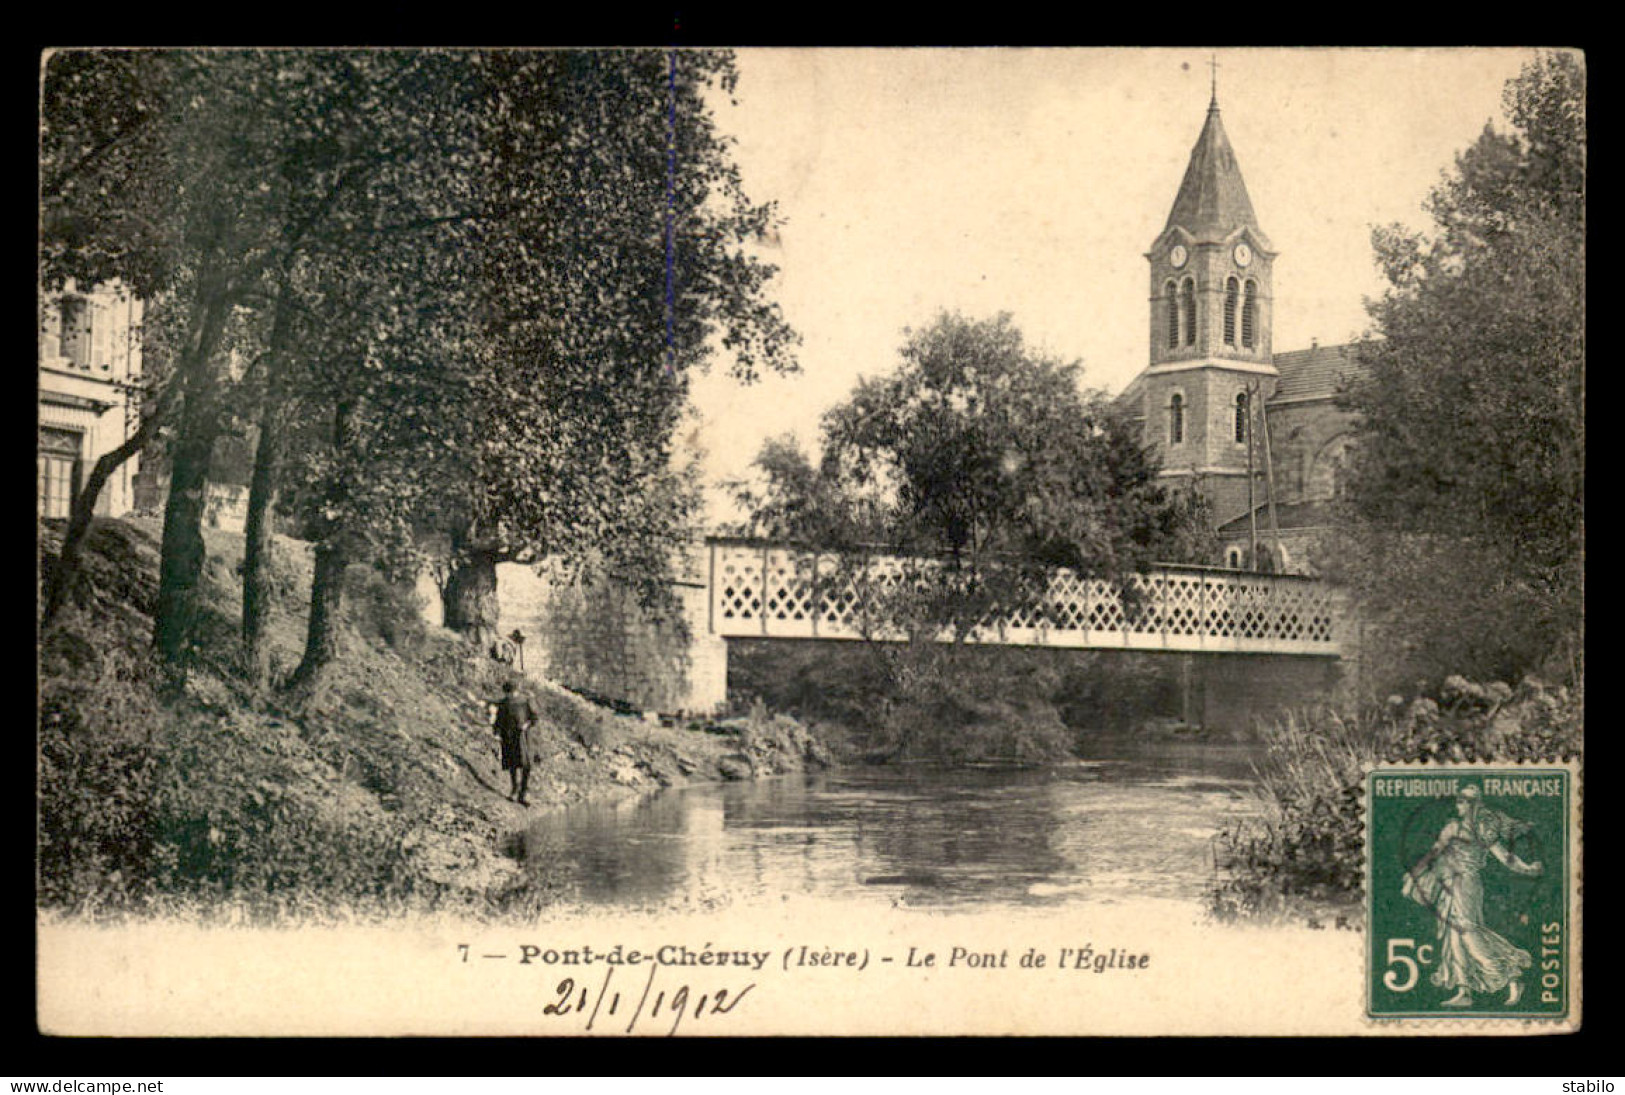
[
  {"x": 1288, "y": 516},
  {"x": 1316, "y": 373},
  {"x": 1212, "y": 201},
  {"x": 1129, "y": 397}
]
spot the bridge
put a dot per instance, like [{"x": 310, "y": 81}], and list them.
[
  {"x": 1241, "y": 640},
  {"x": 759, "y": 590}
]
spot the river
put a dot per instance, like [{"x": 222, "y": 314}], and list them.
[{"x": 1136, "y": 821}]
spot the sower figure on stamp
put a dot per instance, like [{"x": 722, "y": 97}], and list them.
[
  {"x": 514, "y": 718},
  {"x": 1449, "y": 880}
]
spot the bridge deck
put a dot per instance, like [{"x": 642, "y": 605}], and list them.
[{"x": 761, "y": 591}]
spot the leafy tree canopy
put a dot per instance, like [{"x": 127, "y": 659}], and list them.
[
  {"x": 473, "y": 282},
  {"x": 1464, "y": 496},
  {"x": 987, "y": 456}
]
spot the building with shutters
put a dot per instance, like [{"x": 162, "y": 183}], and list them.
[
  {"x": 1217, "y": 400},
  {"x": 90, "y": 363}
]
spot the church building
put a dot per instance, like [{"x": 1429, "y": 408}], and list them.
[{"x": 1222, "y": 409}]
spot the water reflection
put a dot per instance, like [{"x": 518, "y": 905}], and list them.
[{"x": 1138, "y": 822}]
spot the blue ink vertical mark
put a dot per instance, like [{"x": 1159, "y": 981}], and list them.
[{"x": 671, "y": 214}]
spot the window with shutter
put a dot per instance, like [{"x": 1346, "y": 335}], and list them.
[
  {"x": 75, "y": 336},
  {"x": 101, "y": 355}
]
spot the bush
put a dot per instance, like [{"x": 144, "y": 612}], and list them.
[
  {"x": 955, "y": 705},
  {"x": 386, "y": 612},
  {"x": 271, "y": 847},
  {"x": 1308, "y": 838},
  {"x": 1494, "y": 722},
  {"x": 938, "y": 702},
  {"x": 96, "y": 772}
]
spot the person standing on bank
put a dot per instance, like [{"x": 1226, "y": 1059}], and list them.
[{"x": 514, "y": 718}]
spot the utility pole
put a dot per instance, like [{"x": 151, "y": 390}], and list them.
[
  {"x": 1252, "y": 504},
  {"x": 1269, "y": 485}
]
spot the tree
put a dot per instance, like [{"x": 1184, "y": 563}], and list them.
[
  {"x": 462, "y": 288},
  {"x": 1464, "y": 497},
  {"x": 986, "y": 459},
  {"x": 518, "y": 371},
  {"x": 984, "y": 466},
  {"x": 797, "y": 501},
  {"x": 164, "y": 170},
  {"x": 370, "y": 329},
  {"x": 99, "y": 140},
  {"x": 136, "y": 162},
  {"x": 624, "y": 266}
]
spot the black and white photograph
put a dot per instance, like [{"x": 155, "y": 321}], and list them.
[{"x": 809, "y": 541}]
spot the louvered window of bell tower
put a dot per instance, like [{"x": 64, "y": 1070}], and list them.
[
  {"x": 1187, "y": 311},
  {"x": 1232, "y": 290},
  {"x": 1171, "y": 295},
  {"x": 1249, "y": 315}
]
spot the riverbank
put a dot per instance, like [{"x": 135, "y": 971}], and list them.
[
  {"x": 376, "y": 794},
  {"x": 1307, "y": 840}
]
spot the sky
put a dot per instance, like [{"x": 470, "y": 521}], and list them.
[{"x": 1032, "y": 181}]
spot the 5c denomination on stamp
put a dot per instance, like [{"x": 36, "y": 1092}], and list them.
[{"x": 1470, "y": 886}]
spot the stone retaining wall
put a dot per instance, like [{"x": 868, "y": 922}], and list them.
[{"x": 597, "y": 638}]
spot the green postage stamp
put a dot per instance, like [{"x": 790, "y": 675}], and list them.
[{"x": 1470, "y": 891}]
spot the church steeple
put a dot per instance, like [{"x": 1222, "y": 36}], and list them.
[
  {"x": 1211, "y": 264},
  {"x": 1212, "y": 201},
  {"x": 1211, "y": 306}
]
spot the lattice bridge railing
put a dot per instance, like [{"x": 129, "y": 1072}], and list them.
[{"x": 762, "y": 591}]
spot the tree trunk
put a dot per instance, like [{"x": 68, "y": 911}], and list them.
[
  {"x": 262, "y": 493},
  {"x": 66, "y": 569},
  {"x": 326, "y": 609},
  {"x": 333, "y": 553},
  {"x": 181, "y": 567},
  {"x": 469, "y": 599}
]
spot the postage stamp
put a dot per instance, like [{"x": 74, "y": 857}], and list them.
[{"x": 1470, "y": 891}]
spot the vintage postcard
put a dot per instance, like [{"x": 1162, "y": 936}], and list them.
[{"x": 673, "y": 541}]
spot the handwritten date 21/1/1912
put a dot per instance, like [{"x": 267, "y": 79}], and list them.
[{"x": 656, "y": 1004}]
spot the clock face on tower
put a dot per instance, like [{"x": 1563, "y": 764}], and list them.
[
  {"x": 1244, "y": 254},
  {"x": 1178, "y": 255}
]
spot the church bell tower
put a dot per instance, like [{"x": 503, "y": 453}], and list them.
[{"x": 1211, "y": 308}]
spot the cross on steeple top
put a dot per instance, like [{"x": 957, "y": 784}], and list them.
[{"x": 1212, "y": 201}]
